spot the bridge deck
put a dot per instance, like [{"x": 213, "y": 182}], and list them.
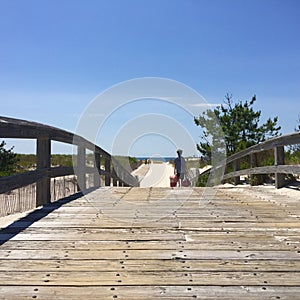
[{"x": 155, "y": 243}]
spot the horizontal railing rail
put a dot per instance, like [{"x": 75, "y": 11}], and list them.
[
  {"x": 113, "y": 172},
  {"x": 280, "y": 169}
]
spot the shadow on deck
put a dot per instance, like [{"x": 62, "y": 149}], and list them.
[{"x": 23, "y": 223}]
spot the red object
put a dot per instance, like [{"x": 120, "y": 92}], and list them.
[
  {"x": 173, "y": 181},
  {"x": 186, "y": 182}
]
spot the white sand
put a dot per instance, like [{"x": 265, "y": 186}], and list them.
[
  {"x": 290, "y": 193},
  {"x": 158, "y": 175}
]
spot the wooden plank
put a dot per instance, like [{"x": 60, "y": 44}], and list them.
[
  {"x": 67, "y": 235},
  {"x": 165, "y": 292},
  {"x": 185, "y": 224},
  {"x": 150, "y": 265},
  {"x": 93, "y": 278},
  {"x": 149, "y": 254},
  {"x": 226, "y": 246},
  {"x": 203, "y": 244}
]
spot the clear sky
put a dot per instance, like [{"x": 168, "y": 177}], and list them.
[{"x": 57, "y": 56}]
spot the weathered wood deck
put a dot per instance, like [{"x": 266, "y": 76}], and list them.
[{"x": 134, "y": 243}]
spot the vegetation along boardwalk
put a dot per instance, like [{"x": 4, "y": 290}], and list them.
[{"x": 155, "y": 243}]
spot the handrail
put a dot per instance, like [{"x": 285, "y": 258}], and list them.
[
  {"x": 279, "y": 141},
  {"x": 279, "y": 168},
  {"x": 44, "y": 134}
]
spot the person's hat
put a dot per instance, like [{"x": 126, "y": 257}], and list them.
[{"x": 179, "y": 151}]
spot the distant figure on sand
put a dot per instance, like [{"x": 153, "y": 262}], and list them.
[{"x": 179, "y": 168}]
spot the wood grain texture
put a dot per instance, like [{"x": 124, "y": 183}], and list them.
[{"x": 199, "y": 243}]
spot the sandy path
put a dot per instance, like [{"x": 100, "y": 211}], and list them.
[{"x": 158, "y": 175}]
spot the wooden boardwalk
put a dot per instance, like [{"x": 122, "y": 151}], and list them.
[{"x": 155, "y": 243}]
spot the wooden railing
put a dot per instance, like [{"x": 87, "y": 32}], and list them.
[
  {"x": 279, "y": 169},
  {"x": 113, "y": 172}
]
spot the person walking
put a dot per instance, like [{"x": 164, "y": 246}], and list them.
[{"x": 179, "y": 168}]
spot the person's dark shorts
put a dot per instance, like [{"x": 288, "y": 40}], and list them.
[{"x": 180, "y": 176}]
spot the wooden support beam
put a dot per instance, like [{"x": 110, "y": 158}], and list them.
[
  {"x": 279, "y": 160},
  {"x": 236, "y": 167},
  {"x": 253, "y": 164},
  {"x": 43, "y": 152},
  {"x": 107, "y": 169},
  {"x": 253, "y": 160},
  {"x": 81, "y": 168},
  {"x": 97, "y": 169},
  {"x": 115, "y": 181}
]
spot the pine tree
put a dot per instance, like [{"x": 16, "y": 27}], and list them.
[
  {"x": 240, "y": 126},
  {"x": 8, "y": 160}
]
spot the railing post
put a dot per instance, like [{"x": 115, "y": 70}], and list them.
[
  {"x": 253, "y": 164},
  {"x": 43, "y": 153},
  {"x": 279, "y": 160},
  {"x": 236, "y": 167},
  {"x": 115, "y": 180},
  {"x": 81, "y": 167},
  {"x": 97, "y": 169},
  {"x": 253, "y": 160},
  {"x": 107, "y": 169}
]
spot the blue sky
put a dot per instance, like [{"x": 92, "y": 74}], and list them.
[{"x": 57, "y": 56}]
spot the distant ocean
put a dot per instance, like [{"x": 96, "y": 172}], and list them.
[{"x": 157, "y": 158}]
